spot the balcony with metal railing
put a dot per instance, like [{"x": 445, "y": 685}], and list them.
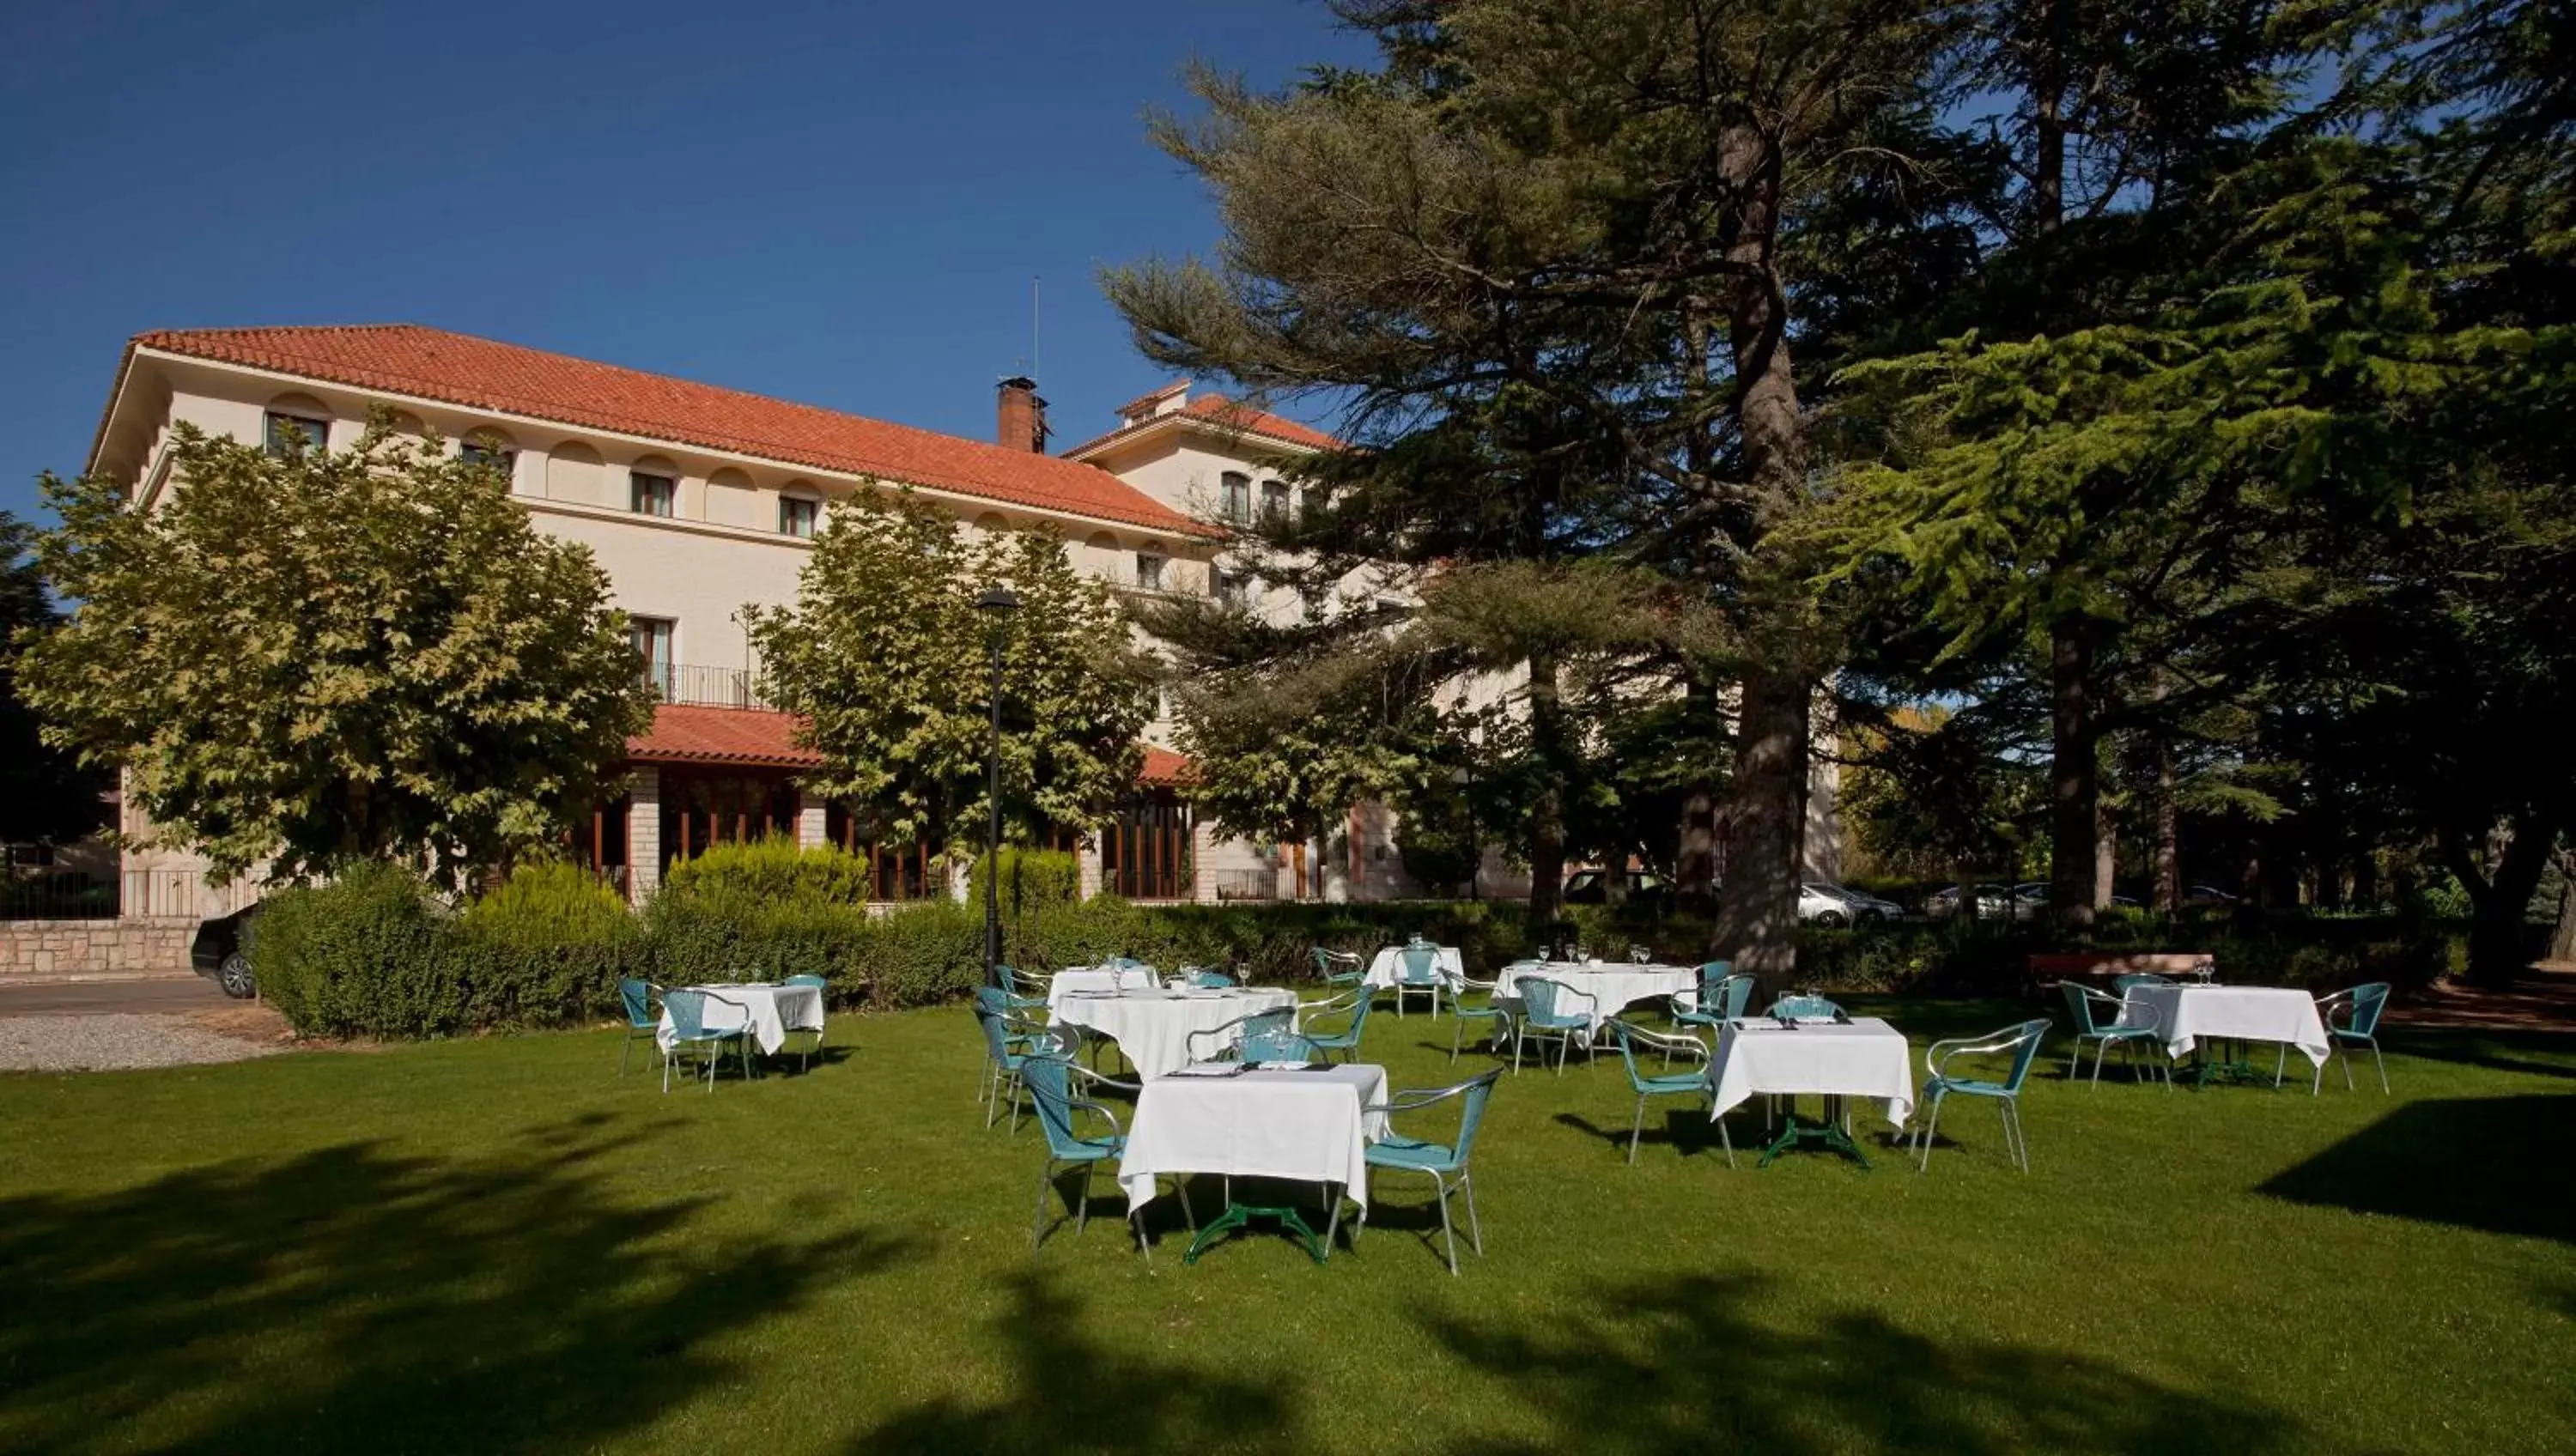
[{"x": 707, "y": 687}]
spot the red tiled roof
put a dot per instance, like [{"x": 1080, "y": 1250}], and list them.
[
  {"x": 1163, "y": 766},
  {"x": 745, "y": 737},
  {"x": 461, "y": 369},
  {"x": 1218, "y": 410},
  {"x": 756, "y": 738}
]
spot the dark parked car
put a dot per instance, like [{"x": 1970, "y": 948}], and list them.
[
  {"x": 1591, "y": 887},
  {"x": 219, "y": 952}
]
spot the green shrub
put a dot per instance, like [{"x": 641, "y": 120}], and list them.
[
  {"x": 363, "y": 956},
  {"x": 1032, "y": 879},
  {"x": 772, "y": 869},
  {"x": 546, "y": 947}
]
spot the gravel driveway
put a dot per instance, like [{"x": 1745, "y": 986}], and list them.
[{"x": 59, "y": 1043}]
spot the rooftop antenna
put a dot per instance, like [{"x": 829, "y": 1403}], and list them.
[{"x": 1033, "y": 326}]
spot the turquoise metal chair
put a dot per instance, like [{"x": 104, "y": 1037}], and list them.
[
  {"x": 1805, "y": 1007},
  {"x": 1446, "y": 1164},
  {"x": 1246, "y": 1037},
  {"x": 2021, "y": 1043},
  {"x": 1339, "y": 967},
  {"x": 2107, "y": 1020},
  {"x": 1418, "y": 974},
  {"x": 1720, "y": 999},
  {"x": 2360, "y": 1008},
  {"x": 823, "y": 988},
  {"x": 1012, "y": 987},
  {"x": 1692, "y": 1084},
  {"x": 1209, "y": 978},
  {"x": 643, "y": 1023},
  {"x": 2122, "y": 985},
  {"x": 1547, "y": 1013},
  {"x": 1353, "y": 1003},
  {"x": 1050, "y": 1079},
  {"x": 1008, "y": 1044},
  {"x": 691, "y": 1035},
  {"x": 1495, "y": 1010}
]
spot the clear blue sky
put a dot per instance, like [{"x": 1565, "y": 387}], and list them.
[{"x": 836, "y": 203}]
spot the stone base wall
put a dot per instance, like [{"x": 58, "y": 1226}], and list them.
[{"x": 70, "y": 950}]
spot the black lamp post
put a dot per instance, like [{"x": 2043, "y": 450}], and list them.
[{"x": 998, "y": 602}]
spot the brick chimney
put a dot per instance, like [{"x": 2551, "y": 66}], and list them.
[{"x": 1022, "y": 417}]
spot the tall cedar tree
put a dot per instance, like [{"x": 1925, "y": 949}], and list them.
[
  {"x": 1546, "y": 255},
  {"x": 46, "y": 796}
]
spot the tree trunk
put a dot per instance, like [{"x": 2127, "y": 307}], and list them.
[
  {"x": 1695, "y": 865},
  {"x": 2106, "y": 853},
  {"x": 2074, "y": 777},
  {"x": 2562, "y": 941},
  {"x": 1758, "y": 915},
  {"x": 2168, "y": 897},
  {"x": 2497, "y": 899},
  {"x": 1547, "y": 811},
  {"x": 1757, "y": 923}
]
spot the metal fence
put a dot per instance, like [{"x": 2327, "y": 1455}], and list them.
[
  {"x": 707, "y": 687},
  {"x": 132, "y": 894},
  {"x": 1247, "y": 885}
]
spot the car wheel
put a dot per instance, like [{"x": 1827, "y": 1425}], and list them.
[
  {"x": 233, "y": 974},
  {"x": 1831, "y": 918}
]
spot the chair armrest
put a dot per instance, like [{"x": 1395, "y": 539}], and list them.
[
  {"x": 1090, "y": 1078},
  {"x": 1116, "y": 1129},
  {"x": 1666, "y": 1042},
  {"x": 1936, "y": 1057}
]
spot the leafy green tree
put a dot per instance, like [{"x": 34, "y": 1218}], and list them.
[
  {"x": 326, "y": 658},
  {"x": 886, "y": 654},
  {"x": 45, "y": 792}
]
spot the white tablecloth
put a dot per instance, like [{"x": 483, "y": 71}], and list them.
[
  {"x": 1612, "y": 985},
  {"x": 2185, "y": 1014},
  {"x": 1387, "y": 969},
  {"x": 1093, "y": 979},
  {"x": 772, "y": 1012},
  {"x": 1867, "y": 1058},
  {"x": 1153, "y": 1027},
  {"x": 1302, "y": 1125}
]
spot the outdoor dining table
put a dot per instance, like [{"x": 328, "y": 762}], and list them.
[
  {"x": 2188, "y": 1016},
  {"x": 770, "y": 1011},
  {"x": 1386, "y": 968},
  {"x": 1611, "y": 986},
  {"x": 1153, "y": 1027},
  {"x": 1095, "y": 980},
  {"x": 1864, "y": 1057},
  {"x": 1304, "y": 1124}
]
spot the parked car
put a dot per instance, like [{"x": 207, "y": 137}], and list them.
[
  {"x": 218, "y": 952},
  {"x": 1592, "y": 887},
  {"x": 2207, "y": 897},
  {"x": 1994, "y": 902},
  {"x": 1862, "y": 909}
]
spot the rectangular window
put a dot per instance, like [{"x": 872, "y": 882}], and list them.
[
  {"x": 1238, "y": 497},
  {"x": 796, "y": 515},
  {"x": 1232, "y": 588},
  {"x": 652, "y": 495},
  {"x": 499, "y": 457},
  {"x": 1149, "y": 571},
  {"x": 1274, "y": 501},
  {"x": 288, "y": 434},
  {"x": 656, "y": 642}
]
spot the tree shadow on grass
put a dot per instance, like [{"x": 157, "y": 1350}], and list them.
[
  {"x": 1679, "y": 1365},
  {"x": 2527, "y": 1052},
  {"x": 1071, "y": 1394},
  {"x": 356, "y": 1299},
  {"x": 2491, "y": 1163}
]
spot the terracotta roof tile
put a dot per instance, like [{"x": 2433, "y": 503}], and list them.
[
  {"x": 464, "y": 370},
  {"x": 1218, "y": 410},
  {"x": 757, "y": 738},
  {"x": 745, "y": 737},
  {"x": 1164, "y": 767}
]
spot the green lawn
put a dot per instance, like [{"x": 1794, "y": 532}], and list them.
[{"x": 497, "y": 1245}]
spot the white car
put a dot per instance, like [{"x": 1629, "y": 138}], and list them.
[
  {"x": 1862, "y": 909},
  {"x": 1816, "y": 907}
]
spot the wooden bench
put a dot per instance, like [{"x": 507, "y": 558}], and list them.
[{"x": 2099, "y": 966}]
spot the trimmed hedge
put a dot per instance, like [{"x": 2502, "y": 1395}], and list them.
[{"x": 374, "y": 954}]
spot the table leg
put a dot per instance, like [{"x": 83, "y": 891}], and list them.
[{"x": 1240, "y": 1215}]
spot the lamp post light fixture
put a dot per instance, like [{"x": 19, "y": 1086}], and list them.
[{"x": 997, "y": 603}]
